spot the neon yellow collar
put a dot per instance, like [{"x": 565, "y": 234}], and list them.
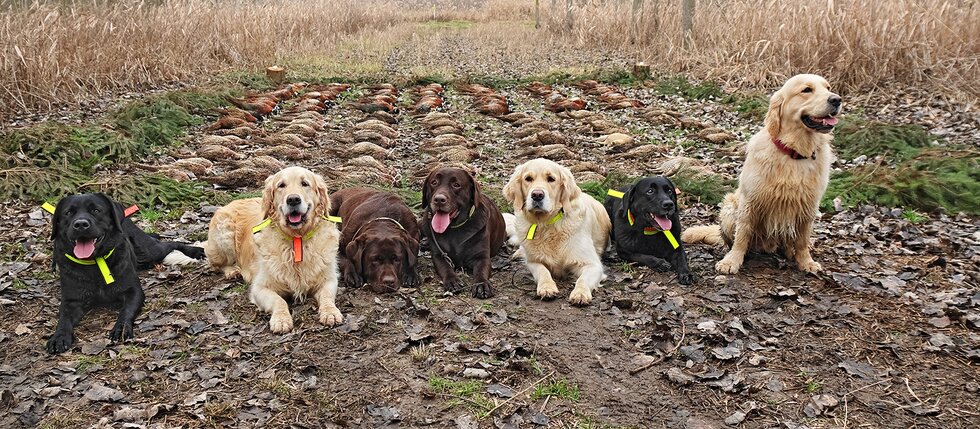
[
  {"x": 297, "y": 240},
  {"x": 647, "y": 230},
  {"x": 534, "y": 226},
  {"x": 100, "y": 261},
  {"x": 472, "y": 209}
]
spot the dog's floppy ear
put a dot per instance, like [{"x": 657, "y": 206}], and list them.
[
  {"x": 627, "y": 199},
  {"x": 410, "y": 249},
  {"x": 115, "y": 210},
  {"x": 427, "y": 190},
  {"x": 673, "y": 190},
  {"x": 322, "y": 196},
  {"x": 269, "y": 194},
  {"x": 774, "y": 115},
  {"x": 569, "y": 189},
  {"x": 354, "y": 252},
  {"x": 477, "y": 190},
  {"x": 514, "y": 191},
  {"x": 59, "y": 212}
]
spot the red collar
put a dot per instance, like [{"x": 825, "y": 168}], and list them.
[{"x": 792, "y": 153}]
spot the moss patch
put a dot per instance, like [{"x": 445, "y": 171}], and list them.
[
  {"x": 897, "y": 143},
  {"x": 681, "y": 86}
]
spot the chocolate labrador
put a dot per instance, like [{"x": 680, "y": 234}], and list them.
[
  {"x": 464, "y": 228},
  {"x": 379, "y": 239}
]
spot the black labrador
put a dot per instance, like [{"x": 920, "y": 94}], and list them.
[
  {"x": 646, "y": 225},
  {"x": 97, "y": 252}
]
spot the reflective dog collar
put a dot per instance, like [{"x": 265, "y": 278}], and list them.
[
  {"x": 48, "y": 207},
  {"x": 534, "y": 226},
  {"x": 297, "y": 240},
  {"x": 100, "y": 261},
  {"x": 648, "y": 230},
  {"x": 472, "y": 209}
]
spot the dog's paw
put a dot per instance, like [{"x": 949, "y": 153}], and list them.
[
  {"x": 59, "y": 343},
  {"x": 231, "y": 273},
  {"x": 412, "y": 280},
  {"x": 483, "y": 290},
  {"x": 281, "y": 323},
  {"x": 331, "y": 316},
  {"x": 453, "y": 285},
  {"x": 580, "y": 296},
  {"x": 194, "y": 252},
  {"x": 121, "y": 332},
  {"x": 548, "y": 290},
  {"x": 685, "y": 278},
  {"x": 727, "y": 266},
  {"x": 352, "y": 279},
  {"x": 810, "y": 266}
]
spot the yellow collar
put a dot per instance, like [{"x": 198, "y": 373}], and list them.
[
  {"x": 100, "y": 261},
  {"x": 648, "y": 230},
  {"x": 534, "y": 226},
  {"x": 472, "y": 209},
  {"x": 297, "y": 240}
]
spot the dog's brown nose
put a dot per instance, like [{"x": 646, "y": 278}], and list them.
[{"x": 439, "y": 199}]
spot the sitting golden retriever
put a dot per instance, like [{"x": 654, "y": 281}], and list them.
[
  {"x": 787, "y": 167},
  {"x": 282, "y": 245},
  {"x": 560, "y": 229}
]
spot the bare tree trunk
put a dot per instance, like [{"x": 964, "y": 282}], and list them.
[
  {"x": 687, "y": 21},
  {"x": 537, "y": 13}
]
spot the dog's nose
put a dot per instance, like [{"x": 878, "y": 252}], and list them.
[
  {"x": 81, "y": 224},
  {"x": 668, "y": 205},
  {"x": 388, "y": 282},
  {"x": 834, "y": 100},
  {"x": 293, "y": 200},
  {"x": 537, "y": 195},
  {"x": 440, "y": 199}
]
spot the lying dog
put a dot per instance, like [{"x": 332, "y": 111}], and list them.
[
  {"x": 560, "y": 229},
  {"x": 464, "y": 227},
  {"x": 379, "y": 239},
  {"x": 282, "y": 245},
  {"x": 646, "y": 225},
  {"x": 787, "y": 169}
]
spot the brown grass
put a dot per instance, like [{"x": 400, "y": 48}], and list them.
[{"x": 61, "y": 52}]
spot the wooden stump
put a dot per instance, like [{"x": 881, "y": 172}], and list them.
[
  {"x": 641, "y": 70},
  {"x": 276, "y": 74}
]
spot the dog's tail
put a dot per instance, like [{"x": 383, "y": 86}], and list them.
[
  {"x": 511, "y": 222},
  {"x": 185, "y": 254},
  {"x": 707, "y": 234}
]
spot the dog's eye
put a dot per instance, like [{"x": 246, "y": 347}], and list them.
[
  {"x": 650, "y": 191},
  {"x": 667, "y": 189},
  {"x": 551, "y": 179},
  {"x": 528, "y": 179},
  {"x": 457, "y": 186},
  {"x": 434, "y": 182},
  {"x": 807, "y": 89},
  {"x": 282, "y": 185},
  {"x": 96, "y": 211},
  {"x": 305, "y": 184}
]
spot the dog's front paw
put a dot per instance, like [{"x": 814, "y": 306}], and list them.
[
  {"x": 810, "y": 266},
  {"x": 412, "y": 279},
  {"x": 231, "y": 273},
  {"x": 352, "y": 279},
  {"x": 483, "y": 290},
  {"x": 194, "y": 252},
  {"x": 580, "y": 296},
  {"x": 121, "y": 332},
  {"x": 727, "y": 266},
  {"x": 331, "y": 316},
  {"x": 547, "y": 290},
  {"x": 60, "y": 342},
  {"x": 685, "y": 278},
  {"x": 453, "y": 285},
  {"x": 281, "y": 323}
]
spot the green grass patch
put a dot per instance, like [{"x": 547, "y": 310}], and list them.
[
  {"x": 465, "y": 393},
  {"x": 614, "y": 180},
  {"x": 559, "y": 389},
  {"x": 154, "y": 121},
  {"x": 681, "y": 86},
  {"x": 752, "y": 106},
  {"x": 897, "y": 143},
  {"x": 708, "y": 188}
]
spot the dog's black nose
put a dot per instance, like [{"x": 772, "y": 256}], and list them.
[
  {"x": 834, "y": 100},
  {"x": 293, "y": 200},
  {"x": 81, "y": 224},
  {"x": 668, "y": 205},
  {"x": 537, "y": 195},
  {"x": 439, "y": 199}
]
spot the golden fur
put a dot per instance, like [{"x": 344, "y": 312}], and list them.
[
  {"x": 265, "y": 259},
  {"x": 572, "y": 245},
  {"x": 778, "y": 197}
]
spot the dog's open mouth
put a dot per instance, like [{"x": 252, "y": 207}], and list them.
[
  {"x": 823, "y": 124},
  {"x": 85, "y": 248},
  {"x": 662, "y": 221},
  {"x": 441, "y": 220},
  {"x": 295, "y": 219}
]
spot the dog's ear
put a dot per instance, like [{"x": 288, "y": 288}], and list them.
[
  {"x": 59, "y": 212},
  {"x": 774, "y": 115},
  {"x": 322, "y": 196},
  {"x": 627, "y": 199},
  {"x": 115, "y": 210},
  {"x": 269, "y": 195},
  {"x": 673, "y": 190},
  {"x": 427, "y": 190},
  {"x": 569, "y": 190},
  {"x": 476, "y": 190},
  {"x": 354, "y": 252},
  {"x": 410, "y": 250},
  {"x": 514, "y": 190}
]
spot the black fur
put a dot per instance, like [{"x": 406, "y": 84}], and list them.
[{"x": 654, "y": 195}]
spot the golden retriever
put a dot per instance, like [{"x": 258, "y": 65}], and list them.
[
  {"x": 787, "y": 167},
  {"x": 295, "y": 254},
  {"x": 560, "y": 230}
]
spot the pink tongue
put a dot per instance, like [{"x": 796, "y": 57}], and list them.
[
  {"x": 295, "y": 218},
  {"x": 664, "y": 223},
  {"x": 440, "y": 221},
  {"x": 84, "y": 249},
  {"x": 829, "y": 121}
]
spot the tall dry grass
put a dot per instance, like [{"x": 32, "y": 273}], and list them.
[{"x": 859, "y": 44}]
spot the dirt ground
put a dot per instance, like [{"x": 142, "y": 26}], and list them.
[{"x": 886, "y": 336}]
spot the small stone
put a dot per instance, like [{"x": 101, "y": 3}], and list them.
[
  {"x": 734, "y": 419},
  {"x": 476, "y": 373},
  {"x": 679, "y": 377}
]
